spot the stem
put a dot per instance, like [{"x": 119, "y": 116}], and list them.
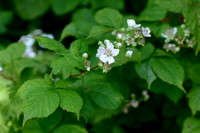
[{"x": 83, "y": 72}]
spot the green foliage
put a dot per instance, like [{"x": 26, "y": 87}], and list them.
[{"x": 67, "y": 86}]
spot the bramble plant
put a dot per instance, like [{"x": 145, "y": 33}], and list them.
[{"x": 109, "y": 66}]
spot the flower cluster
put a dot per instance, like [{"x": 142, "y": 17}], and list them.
[
  {"x": 174, "y": 41},
  {"x": 29, "y": 41},
  {"x": 131, "y": 36},
  {"x": 134, "y": 102}
]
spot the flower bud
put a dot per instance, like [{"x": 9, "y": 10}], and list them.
[
  {"x": 118, "y": 45},
  {"x": 129, "y": 54},
  {"x": 134, "y": 103},
  {"x": 85, "y": 55},
  {"x": 119, "y": 36},
  {"x": 106, "y": 41}
]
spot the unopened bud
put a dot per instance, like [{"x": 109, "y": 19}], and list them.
[
  {"x": 129, "y": 54},
  {"x": 118, "y": 45},
  {"x": 85, "y": 55},
  {"x": 119, "y": 36}
]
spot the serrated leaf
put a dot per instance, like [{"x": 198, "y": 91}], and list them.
[
  {"x": 194, "y": 96},
  {"x": 31, "y": 9},
  {"x": 109, "y": 17},
  {"x": 106, "y": 96},
  {"x": 61, "y": 7},
  {"x": 52, "y": 44},
  {"x": 136, "y": 56},
  {"x": 65, "y": 65},
  {"x": 169, "y": 70},
  {"x": 97, "y": 30},
  {"x": 147, "y": 51},
  {"x": 70, "y": 129},
  {"x": 145, "y": 71},
  {"x": 191, "y": 125},
  {"x": 12, "y": 52},
  {"x": 39, "y": 99},
  {"x": 70, "y": 101}
]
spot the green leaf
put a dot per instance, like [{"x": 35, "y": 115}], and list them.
[
  {"x": 136, "y": 56},
  {"x": 97, "y": 30},
  {"x": 194, "y": 96},
  {"x": 191, "y": 125},
  {"x": 145, "y": 71},
  {"x": 70, "y": 101},
  {"x": 109, "y": 17},
  {"x": 153, "y": 13},
  {"x": 12, "y": 52},
  {"x": 78, "y": 47},
  {"x": 147, "y": 51},
  {"x": 70, "y": 30},
  {"x": 106, "y": 96},
  {"x": 83, "y": 20},
  {"x": 31, "y": 9},
  {"x": 52, "y": 44},
  {"x": 172, "y": 92},
  {"x": 4, "y": 90},
  {"x": 39, "y": 99},
  {"x": 169, "y": 70},
  {"x": 115, "y": 4},
  {"x": 6, "y": 18},
  {"x": 194, "y": 73},
  {"x": 70, "y": 129},
  {"x": 172, "y": 5},
  {"x": 61, "y": 7},
  {"x": 65, "y": 65}
]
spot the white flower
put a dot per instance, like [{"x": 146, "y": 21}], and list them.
[
  {"x": 88, "y": 68},
  {"x": 146, "y": 31},
  {"x": 27, "y": 40},
  {"x": 129, "y": 53},
  {"x": 85, "y": 55},
  {"x": 48, "y": 35},
  {"x": 29, "y": 53},
  {"x": 134, "y": 103},
  {"x": 131, "y": 23},
  {"x": 106, "y": 54},
  {"x": 170, "y": 33}
]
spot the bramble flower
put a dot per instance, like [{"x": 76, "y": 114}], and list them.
[
  {"x": 146, "y": 31},
  {"x": 106, "y": 55},
  {"x": 129, "y": 53},
  {"x": 170, "y": 34},
  {"x": 131, "y": 24}
]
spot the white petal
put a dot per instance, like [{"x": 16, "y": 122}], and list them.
[
  {"x": 131, "y": 22},
  {"x": 163, "y": 35},
  {"x": 100, "y": 51},
  {"x": 109, "y": 46},
  {"x": 137, "y": 25},
  {"x": 48, "y": 35},
  {"x": 103, "y": 58},
  {"x": 115, "y": 52},
  {"x": 111, "y": 60}
]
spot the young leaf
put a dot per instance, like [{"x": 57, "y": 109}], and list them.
[
  {"x": 61, "y": 7},
  {"x": 39, "y": 99},
  {"x": 194, "y": 103},
  {"x": 97, "y": 30},
  {"x": 70, "y": 101},
  {"x": 70, "y": 129},
  {"x": 109, "y": 17},
  {"x": 191, "y": 125},
  {"x": 145, "y": 71},
  {"x": 106, "y": 96},
  {"x": 169, "y": 70}
]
